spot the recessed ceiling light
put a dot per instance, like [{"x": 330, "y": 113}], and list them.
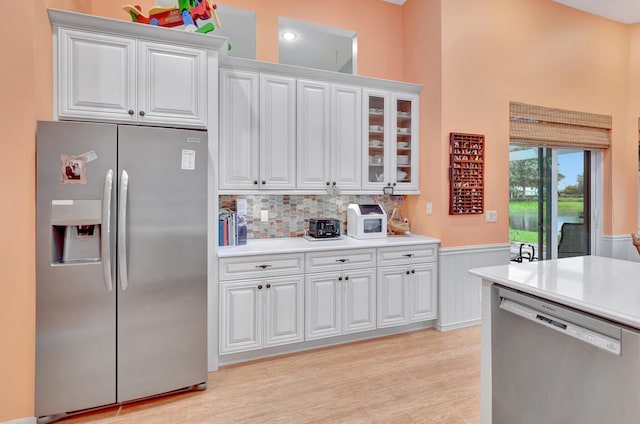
[{"x": 289, "y": 36}]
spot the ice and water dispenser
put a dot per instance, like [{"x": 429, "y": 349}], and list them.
[{"x": 75, "y": 227}]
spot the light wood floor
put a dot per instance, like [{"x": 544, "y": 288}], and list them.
[{"x": 419, "y": 377}]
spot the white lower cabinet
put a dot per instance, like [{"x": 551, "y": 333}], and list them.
[
  {"x": 260, "y": 313},
  {"x": 340, "y": 303},
  {"x": 277, "y": 299},
  {"x": 406, "y": 294}
]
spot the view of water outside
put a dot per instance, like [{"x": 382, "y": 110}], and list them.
[{"x": 523, "y": 204}]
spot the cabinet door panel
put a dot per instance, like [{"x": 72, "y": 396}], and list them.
[
  {"x": 322, "y": 306},
  {"x": 283, "y": 314},
  {"x": 240, "y": 317},
  {"x": 392, "y": 296},
  {"x": 313, "y": 135},
  {"x": 173, "y": 84},
  {"x": 96, "y": 76},
  {"x": 239, "y": 138},
  {"x": 277, "y": 132},
  {"x": 359, "y": 301},
  {"x": 422, "y": 301},
  {"x": 346, "y": 137}
]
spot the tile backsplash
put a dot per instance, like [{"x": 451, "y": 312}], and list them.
[{"x": 289, "y": 215}]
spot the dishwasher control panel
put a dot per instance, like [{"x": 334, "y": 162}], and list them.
[{"x": 586, "y": 335}]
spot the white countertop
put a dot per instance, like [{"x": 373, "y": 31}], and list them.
[
  {"x": 606, "y": 287},
  {"x": 300, "y": 244}
]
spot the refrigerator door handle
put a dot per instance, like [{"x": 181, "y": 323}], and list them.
[
  {"x": 122, "y": 230},
  {"x": 105, "y": 236}
]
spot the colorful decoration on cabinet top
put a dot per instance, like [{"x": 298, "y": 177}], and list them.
[
  {"x": 195, "y": 15},
  {"x": 289, "y": 215}
]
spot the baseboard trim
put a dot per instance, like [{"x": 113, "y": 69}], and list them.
[
  {"x": 28, "y": 420},
  {"x": 458, "y": 325}
]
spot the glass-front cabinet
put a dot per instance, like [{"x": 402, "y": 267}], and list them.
[{"x": 391, "y": 141}]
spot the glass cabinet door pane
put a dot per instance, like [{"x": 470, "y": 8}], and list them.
[
  {"x": 376, "y": 160},
  {"x": 403, "y": 141}
]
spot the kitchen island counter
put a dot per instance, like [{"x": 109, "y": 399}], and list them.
[
  {"x": 550, "y": 329},
  {"x": 301, "y": 245},
  {"x": 609, "y": 288}
]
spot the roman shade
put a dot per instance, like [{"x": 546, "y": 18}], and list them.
[{"x": 540, "y": 126}]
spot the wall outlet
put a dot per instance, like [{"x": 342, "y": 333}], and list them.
[
  {"x": 264, "y": 216},
  {"x": 491, "y": 216},
  {"x": 429, "y": 208}
]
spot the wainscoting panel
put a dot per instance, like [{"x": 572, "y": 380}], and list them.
[
  {"x": 459, "y": 293},
  {"x": 618, "y": 247}
]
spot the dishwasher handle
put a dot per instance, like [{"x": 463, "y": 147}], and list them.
[{"x": 585, "y": 335}]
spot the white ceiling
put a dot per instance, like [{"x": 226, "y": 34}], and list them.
[{"x": 625, "y": 11}]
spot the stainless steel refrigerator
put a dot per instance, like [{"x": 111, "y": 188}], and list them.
[{"x": 121, "y": 273}]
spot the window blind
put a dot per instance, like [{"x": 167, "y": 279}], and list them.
[{"x": 541, "y": 126}]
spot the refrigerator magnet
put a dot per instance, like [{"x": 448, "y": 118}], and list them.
[{"x": 73, "y": 169}]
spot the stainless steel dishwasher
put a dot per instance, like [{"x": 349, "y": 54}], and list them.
[{"x": 555, "y": 365}]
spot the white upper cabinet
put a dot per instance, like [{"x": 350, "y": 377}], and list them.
[
  {"x": 172, "y": 84},
  {"x": 391, "y": 141},
  {"x": 239, "y": 137},
  {"x": 314, "y": 138},
  {"x": 109, "y": 78},
  {"x": 315, "y": 132},
  {"x": 329, "y": 136},
  {"x": 277, "y": 132},
  {"x": 257, "y": 131}
]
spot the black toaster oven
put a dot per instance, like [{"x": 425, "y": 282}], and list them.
[{"x": 324, "y": 227}]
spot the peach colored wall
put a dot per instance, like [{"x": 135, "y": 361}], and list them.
[
  {"x": 422, "y": 53},
  {"x": 17, "y": 262},
  {"x": 535, "y": 52}
]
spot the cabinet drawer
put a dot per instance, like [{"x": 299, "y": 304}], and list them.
[
  {"x": 402, "y": 255},
  {"x": 337, "y": 260},
  {"x": 246, "y": 267}
]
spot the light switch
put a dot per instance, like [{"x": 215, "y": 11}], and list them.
[
  {"x": 429, "y": 208},
  {"x": 264, "y": 215},
  {"x": 491, "y": 216}
]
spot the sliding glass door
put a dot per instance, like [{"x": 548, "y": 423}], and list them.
[{"x": 549, "y": 203}]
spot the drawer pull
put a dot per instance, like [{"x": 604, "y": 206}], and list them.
[
  {"x": 342, "y": 260},
  {"x": 408, "y": 255},
  {"x": 259, "y": 286},
  {"x": 340, "y": 278},
  {"x": 268, "y": 286},
  {"x": 264, "y": 266},
  {"x": 346, "y": 278},
  {"x": 408, "y": 272}
]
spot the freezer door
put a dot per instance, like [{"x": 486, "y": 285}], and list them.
[
  {"x": 162, "y": 255},
  {"x": 75, "y": 311}
]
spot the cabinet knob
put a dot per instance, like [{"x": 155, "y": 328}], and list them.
[
  {"x": 346, "y": 278},
  {"x": 141, "y": 113},
  {"x": 340, "y": 278},
  {"x": 255, "y": 182},
  {"x": 259, "y": 286},
  {"x": 407, "y": 272},
  {"x": 389, "y": 184},
  {"x": 328, "y": 183},
  {"x": 131, "y": 112},
  {"x": 334, "y": 183},
  {"x": 268, "y": 286},
  {"x": 413, "y": 271},
  {"x": 394, "y": 184},
  {"x": 263, "y": 182}
]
